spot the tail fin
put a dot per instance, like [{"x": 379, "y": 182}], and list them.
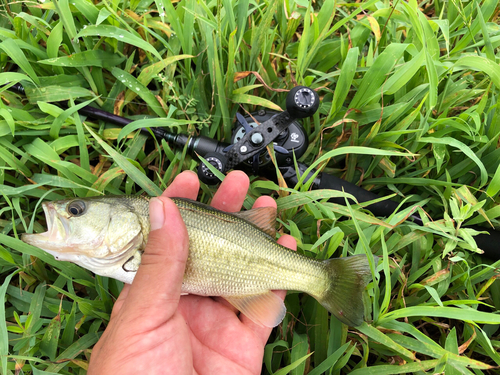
[{"x": 348, "y": 278}]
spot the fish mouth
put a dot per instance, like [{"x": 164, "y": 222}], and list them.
[{"x": 58, "y": 230}]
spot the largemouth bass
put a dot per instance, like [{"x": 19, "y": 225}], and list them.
[{"x": 232, "y": 255}]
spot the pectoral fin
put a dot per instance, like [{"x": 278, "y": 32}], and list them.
[{"x": 266, "y": 309}]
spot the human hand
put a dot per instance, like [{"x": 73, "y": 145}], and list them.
[{"x": 154, "y": 330}]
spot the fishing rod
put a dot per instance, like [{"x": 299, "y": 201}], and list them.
[{"x": 247, "y": 151}]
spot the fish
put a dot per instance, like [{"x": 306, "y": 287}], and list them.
[{"x": 231, "y": 255}]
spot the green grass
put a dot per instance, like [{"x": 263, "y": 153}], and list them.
[{"x": 421, "y": 79}]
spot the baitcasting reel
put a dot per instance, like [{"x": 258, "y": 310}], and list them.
[
  {"x": 254, "y": 132},
  {"x": 290, "y": 141}
]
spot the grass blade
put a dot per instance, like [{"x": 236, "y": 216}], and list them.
[
  {"x": 4, "y": 337},
  {"x": 10, "y": 47},
  {"x": 443, "y": 312},
  {"x": 118, "y": 34},
  {"x": 137, "y": 176}
]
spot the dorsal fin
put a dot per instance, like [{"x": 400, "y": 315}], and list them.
[{"x": 262, "y": 217}]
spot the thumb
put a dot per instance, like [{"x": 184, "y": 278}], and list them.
[{"x": 159, "y": 278}]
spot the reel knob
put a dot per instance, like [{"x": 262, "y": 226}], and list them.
[
  {"x": 302, "y": 102},
  {"x": 205, "y": 174}
]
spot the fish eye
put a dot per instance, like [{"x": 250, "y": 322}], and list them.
[{"x": 76, "y": 208}]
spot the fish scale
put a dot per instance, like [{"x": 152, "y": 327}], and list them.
[{"x": 211, "y": 269}]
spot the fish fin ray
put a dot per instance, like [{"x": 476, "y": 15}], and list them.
[
  {"x": 265, "y": 309},
  {"x": 348, "y": 278},
  {"x": 263, "y": 217}
]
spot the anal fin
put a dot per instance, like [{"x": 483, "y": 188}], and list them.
[{"x": 265, "y": 309}]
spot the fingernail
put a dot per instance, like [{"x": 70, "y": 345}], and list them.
[{"x": 156, "y": 213}]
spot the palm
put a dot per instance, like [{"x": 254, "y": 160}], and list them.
[
  {"x": 220, "y": 338},
  {"x": 192, "y": 335}
]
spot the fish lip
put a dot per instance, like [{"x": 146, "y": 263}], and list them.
[
  {"x": 49, "y": 211},
  {"x": 53, "y": 235}
]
